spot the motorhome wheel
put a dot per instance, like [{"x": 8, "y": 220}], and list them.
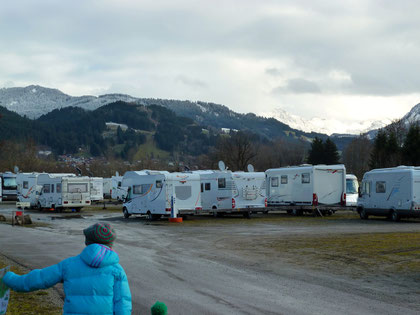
[
  {"x": 126, "y": 214},
  {"x": 363, "y": 214},
  {"x": 395, "y": 216}
]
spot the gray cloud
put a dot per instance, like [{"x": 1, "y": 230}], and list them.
[{"x": 297, "y": 86}]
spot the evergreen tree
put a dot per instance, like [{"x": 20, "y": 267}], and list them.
[
  {"x": 316, "y": 153},
  {"x": 331, "y": 155},
  {"x": 378, "y": 156},
  {"x": 411, "y": 146}
]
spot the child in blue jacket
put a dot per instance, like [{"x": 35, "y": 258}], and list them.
[{"x": 94, "y": 281}]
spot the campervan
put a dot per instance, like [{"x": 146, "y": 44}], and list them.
[
  {"x": 216, "y": 189},
  {"x": 9, "y": 187},
  {"x": 392, "y": 192},
  {"x": 96, "y": 188},
  {"x": 306, "y": 185},
  {"x": 118, "y": 190},
  {"x": 352, "y": 188},
  {"x": 107, "y": 188},
  {"x": 249, "y": 190},
  {"x": 157, "y": 193},
  {"x": 62, "y": 191}
]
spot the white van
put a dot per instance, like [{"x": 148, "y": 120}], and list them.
[
  {"x": 156, "y": 193},
  {"x": 62, "y": 191},
  {"x": 306, "y": 185},
  {"x": 392, "y": 192},
  {"x": 352, "y": 190}
]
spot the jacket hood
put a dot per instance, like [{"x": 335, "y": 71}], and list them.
[{"x": 98, "y": 256}]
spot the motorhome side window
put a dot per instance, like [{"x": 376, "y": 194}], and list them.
[
  {"x": 137, "y": 189},
  {"x": 208, "y": 186},
  {"x": 158, "y": 184},
  {"x": 274, "y": 182},
  {"x": 222, "y": 182},
  {"x": 380, "y": 187},
  {"x": 306, "y": 179},
  {"x": 202, "y": 187},
  {"x": 284, "y": 179},
  {"x": 46, "y": 189},
  {"x": 52, "y": 188},
  {"x": 119, "y": 184},
  {"x": 58, "y": 188},
  {"x": 25, "y": 185}
]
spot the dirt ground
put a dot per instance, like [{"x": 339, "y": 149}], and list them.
[{"x": 270, "y": 264}]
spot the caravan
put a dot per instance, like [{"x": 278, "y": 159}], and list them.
[
  {"x": 216, "y": 189},
  {"x": 107, "y": 188},
  {"x": 118, "y": 190},
  {"x": 96, "y": 189},
  {"x": 311, "y": 185},
  {"x": 156, "y": 193},
  {"x": 249, "y": 190},
  {"x": 9, "y": 187},
  {"x": 62, "y": 191},
  {"x": 392, "y": 192},
  {"x": 28, "y": 189}
]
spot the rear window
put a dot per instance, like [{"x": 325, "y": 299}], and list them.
[
  {"x": 77, "y": 187},
  {"x": 46, "y": 189},
  {"x": 25, "y": 185},
  {"x": 284, "y": 179},
  {"x": 274, "y": 182},
  {"x": 183, "y": 192},
  {"x": 208, "y": 186},
  {"x": 306, "y": 179},
  {"x": 222, "y": 182}
]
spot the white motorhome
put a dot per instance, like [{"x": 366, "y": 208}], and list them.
[
  {"x": 306, "y": 185},
  {"x": 249, "y": 191},
  {"x": 118, "y": 190},
  {"x": 9, "y": 187},
  {"x": 96, "y": 188},
  {"x": 352, "y": 190},
  {"x": 62, "y": 191},
  {"x": 216, "y": 189},
  {"x": 107, "y": 188},
  {"x": 156, "y": 193},
  {"x": 392, "y": 192}
]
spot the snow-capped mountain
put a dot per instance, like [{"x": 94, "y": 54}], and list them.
[
  {"x": 412, "y": 116},
  {"x": 34, "y": 101},
  {"x": 326, "y": 126}
]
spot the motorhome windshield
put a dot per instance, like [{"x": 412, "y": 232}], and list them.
[
  {"x": 351, "y": 186},
  {"x": 9, "y": 182},
  {"x": 77, "y": 188}
]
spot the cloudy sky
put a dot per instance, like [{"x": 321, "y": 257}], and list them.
[{"x": 344, "y": 60}]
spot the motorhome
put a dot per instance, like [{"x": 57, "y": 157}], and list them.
[
  {"x": 352, "y": 188},
  {"x": 157, "y": 193},
  {"x": 216, "y": 189},
  {"x": 306, "y": 185},
  {"x": 62, "y": 191},
  {"x": 107, "y": 188},
  {"x": 249, "y": 190},
  {"x": 1, "y": 190},
  {"x": 118, "y": 190},
  {"x": 96, "y": 189},
  {"x": 392, "y": 192},
  {"x": 9, "y": 187}
]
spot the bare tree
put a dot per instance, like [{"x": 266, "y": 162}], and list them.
[{"x": 357, "y": 155}]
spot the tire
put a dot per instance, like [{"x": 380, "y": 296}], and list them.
[
  {"x": 126, "y": 214},
  {"x": 395, "y": 216},
  {"x": 247, "y": 214},
  {"x": 363, "y": 214},
  {"x": 149, "y": 216},
  {"x": 289, "y": 211},
  {"x": 297, "y": 212}
]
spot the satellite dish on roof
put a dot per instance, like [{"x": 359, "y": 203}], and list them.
[
  {"x": 250, "y": 168},
  {"x": 16, "y": 169},
  {"x": 117, "y": 174},
  {"x": 222, "y": 166}
]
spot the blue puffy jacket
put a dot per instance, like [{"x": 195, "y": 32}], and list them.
[{"x": 94, "y": 282}]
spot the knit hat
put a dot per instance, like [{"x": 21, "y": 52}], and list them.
[
  {"x": 159, "y": 309},
  {"x": 100, "y": 233}
]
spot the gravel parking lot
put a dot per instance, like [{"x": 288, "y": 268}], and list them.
[{"x": 270, "y": 264}]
